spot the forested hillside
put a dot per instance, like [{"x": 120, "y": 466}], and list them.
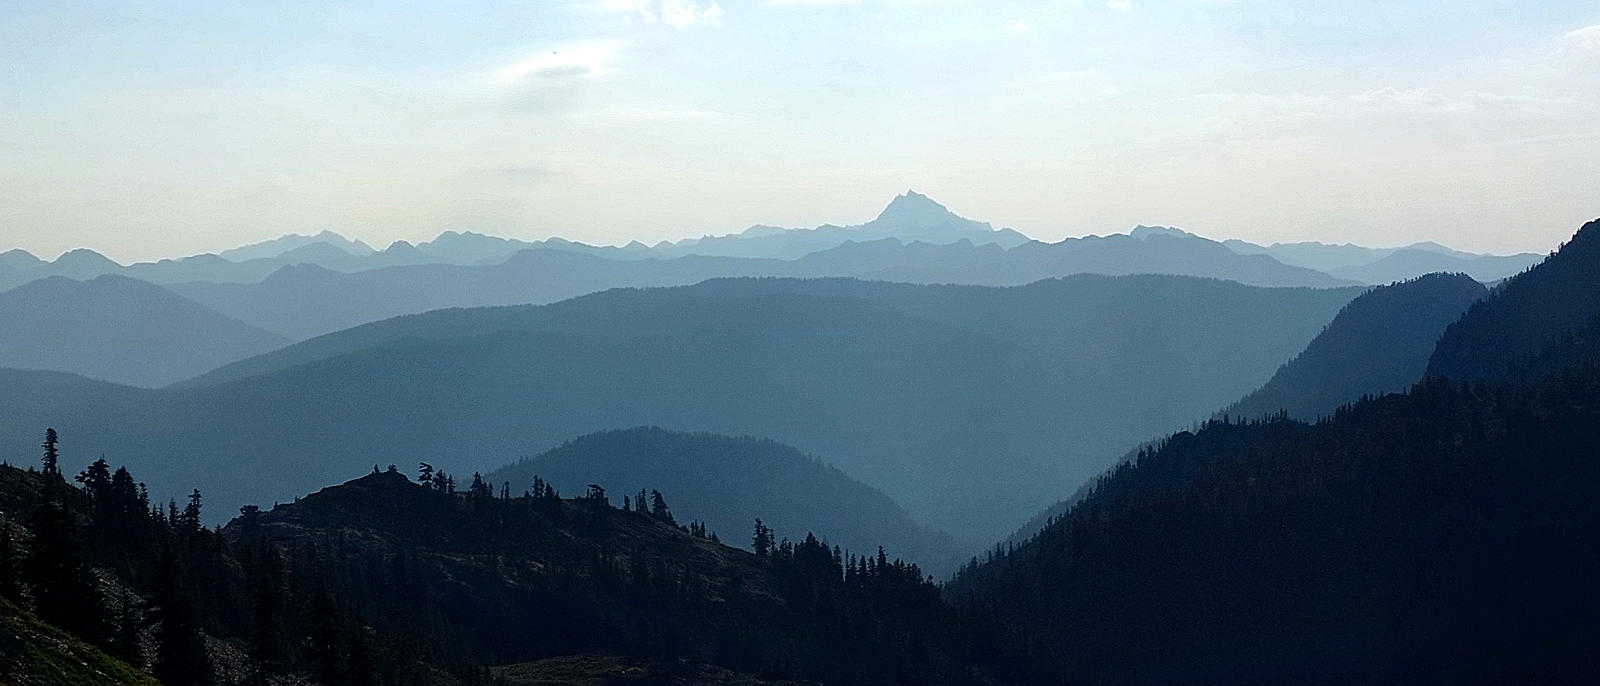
[
  {"x": 386, "y": 581},
  {"x": 1446, "y": 535},
  {"x": 729, "y": 481},
  {"x": 1377, "y": 344},
  {"x": 1521, "y": 315}
]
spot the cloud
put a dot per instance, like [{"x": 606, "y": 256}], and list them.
[
  {"x": 574, "y": 60},
  {"x": 1587, "y": 37},
  {"x": 1120, "y": 5},
  {"x": 1019, "y": 27},
  {"x": 678, "y": 14}
]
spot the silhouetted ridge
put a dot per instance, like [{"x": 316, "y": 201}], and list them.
[
  {"x": 1520, "y": 316},
  {"x": 730, "y": 481},
  {"x": 384, "y": 582},
  {"x": 1379, "y": 343},
  {"x": 1445, "y": 535}
]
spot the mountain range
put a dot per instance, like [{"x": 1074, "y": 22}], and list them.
[
  {"x": 300, "y": 286},
  {"x": 120, "y": 329},
  {"x": 1018, "y": 393},
  {"x": 1442, "y": 535}
]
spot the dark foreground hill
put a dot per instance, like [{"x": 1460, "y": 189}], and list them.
[
  {"x": 385, "y": 581},
  {"x": 120, "y": 329},
  {"x": 1521, "y": 315},
  {"x": 1377, "y": 344},
  {"x": 730, "y": 481},
  {"x": 1446, "y": 535}
]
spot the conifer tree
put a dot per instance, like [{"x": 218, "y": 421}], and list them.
[
  {"x": 659, "y": 509},
  {"x": 10, "y": 585},
  {"x": 266, "y": 641},
  {"x": 65, "y": 591},
  {"x": 52, "y": 454},
  {"x": 181, "y": 656},
  {"x": 761, "y": 542}
]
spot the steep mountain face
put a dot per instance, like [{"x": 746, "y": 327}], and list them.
[
  {"x": 1379, "y": 343},
  {"x": 729, "y": 482},
  {"x": 121, "y": 330},
  {"x": 1523, "y": 314},
  {"x": 1018, "y": 394},
  {"x": 1447, "y": 535}
]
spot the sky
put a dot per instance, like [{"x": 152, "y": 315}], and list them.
[{"x": 157, "y": 129}]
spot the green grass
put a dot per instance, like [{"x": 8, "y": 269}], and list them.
[{"x": 33, "y": 653}]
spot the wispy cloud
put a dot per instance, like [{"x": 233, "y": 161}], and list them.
[
  {"x": 1019, "y": 26},
  {"x": 1587, "y": 37},
  {"x": 574, "y": 60},
  {"x": 679, "y": 14},
  {"x": 1120, "y": 5}
]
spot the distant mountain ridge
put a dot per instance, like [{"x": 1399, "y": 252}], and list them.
[
  {"x": 791, "y": 492},
  {"x": 119, "y": 329},
  {"x": 1387, "y": 265},
  {"x": 306, "y": 301},
  {"x": 909, "y": 220},
  {"x": 905, "y": 387},
  {"x": 1379, "y": 343}
]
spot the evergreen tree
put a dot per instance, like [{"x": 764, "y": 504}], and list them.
[
  {"x": 181, "y": 656},
  {"x": 266, "y": 640},
  {"x": 52, "y": 454},
  {"x": 324, "y": 641},
  {"x": 191, "y": 512},
  {"x": 659, "y": 509},
  {"x": 65, "y": 590},
  {"x": 425, "y": 474},
  {"x": 96, "y": 482},
  {"x": 761, "y": 542},
  {"x": 129, "y": 625},
  {"x": 10, "y": 585}
]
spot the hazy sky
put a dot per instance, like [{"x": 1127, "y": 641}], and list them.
[{"x": 163, "y": 128}]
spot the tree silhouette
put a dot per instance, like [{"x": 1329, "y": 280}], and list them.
[
  {"x": 52, "y": 454},
  {"x": 10, "y": 585},
  {"x": 181, "y": 656},
  {"x": 761, "y": 542},
  {"x": 659, "y": 509},
  {"x": 64, "y": 588}
]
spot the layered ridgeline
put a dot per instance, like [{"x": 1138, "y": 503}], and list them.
[
  {"x": 1379, "y": 343},
  {"x": 1523, "y": 314},
  {"x": 728, "y": 482},
  {"x": 1446, "y": 535},
  {"x": 384, "y": 581},
  {"x": 309, "y": 300},
  {"x": 1387, "y": 265},
  {"x": 120, "y": 329},
  {"x": 1017, "y": 394}
]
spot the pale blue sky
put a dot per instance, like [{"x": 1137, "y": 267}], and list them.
[{"x": 179, "y": 127}]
